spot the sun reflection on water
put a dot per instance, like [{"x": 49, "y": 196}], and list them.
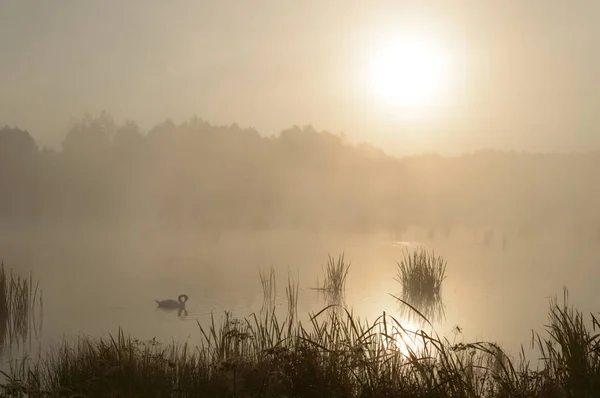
[{"x": 404, "y": 337}]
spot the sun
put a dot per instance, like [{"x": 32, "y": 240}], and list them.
[
  {"x": 405, "y": 340},
  {"x": 407, "y": 72}
]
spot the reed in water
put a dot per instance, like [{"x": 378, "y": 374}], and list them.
[
  {"x": 334, "y": 281},
  {"x": 420, "y": 275},
  {"x": 21, "y": 309}
]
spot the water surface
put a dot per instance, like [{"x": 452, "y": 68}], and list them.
[{"x": 95, "y": 281}]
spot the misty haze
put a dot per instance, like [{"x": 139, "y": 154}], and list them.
[{"x": 299, "y": 199}]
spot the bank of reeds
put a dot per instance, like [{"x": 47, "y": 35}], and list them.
[
  {"x": 571, "y": 356},
  {"x": 21, "y": 309},
  {"x": 335, "y": 355}
]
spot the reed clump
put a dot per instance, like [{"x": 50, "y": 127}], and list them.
[
  {"x": 19, "y": 300},
  {"x": 335, "y": 273},
  {"x": 420, "y": 275},
  {"x": 571, "y": 354}
]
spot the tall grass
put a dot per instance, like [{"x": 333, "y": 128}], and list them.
[
  {"x": 19, "y": 300},
  {"x": 291, "y": 292},
  {"x": 117, "y": 366},
  {"x": 335, "y": 355},
  {"x": 571, "y": 355}
]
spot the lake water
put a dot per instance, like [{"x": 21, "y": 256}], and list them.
[{"x": 94, "y": 282}]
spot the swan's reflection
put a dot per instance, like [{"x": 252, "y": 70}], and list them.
[{"x": 181, "y": 312}]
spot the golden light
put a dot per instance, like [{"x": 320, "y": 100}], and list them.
[
  {"x": 407, "y": 72},
  {"x": 405, "y": 339}
]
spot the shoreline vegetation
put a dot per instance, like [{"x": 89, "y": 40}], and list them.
[
  {"x": 118, "y": 175},
  {"x": 21, "y": 310},
  {"x": 336, "y": 354}
]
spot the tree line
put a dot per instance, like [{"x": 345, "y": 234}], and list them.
[{"x": 199, "y": 176}]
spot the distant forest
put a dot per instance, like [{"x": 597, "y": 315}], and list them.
[{"x": 198, "y": 176}]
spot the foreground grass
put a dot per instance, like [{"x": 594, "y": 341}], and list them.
[{"x": 335, "y": 355}]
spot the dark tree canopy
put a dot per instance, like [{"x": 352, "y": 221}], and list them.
[
  {"x": 90, "y": 135},
  {"x": 16, "y": 143}
]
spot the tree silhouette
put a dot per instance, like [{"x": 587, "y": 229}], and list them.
[
  {"x": 198, "y": 176},
  {"x": 90, "y": 135},
  {"x": 16, "y": 144}
]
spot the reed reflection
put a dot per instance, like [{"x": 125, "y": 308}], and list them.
[{"x": 21, "y": 310}]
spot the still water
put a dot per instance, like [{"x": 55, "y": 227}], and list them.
[{"x": 94, "y": 282}]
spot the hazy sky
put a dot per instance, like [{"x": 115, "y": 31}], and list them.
[{"x": 524, "y": 74}]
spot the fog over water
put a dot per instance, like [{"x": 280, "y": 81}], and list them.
[
  {"x": 188, "y": 209},
  {"x": 149, "y": 151}
]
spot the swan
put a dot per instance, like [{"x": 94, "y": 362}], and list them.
[{"x": 172, "y": 303}]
